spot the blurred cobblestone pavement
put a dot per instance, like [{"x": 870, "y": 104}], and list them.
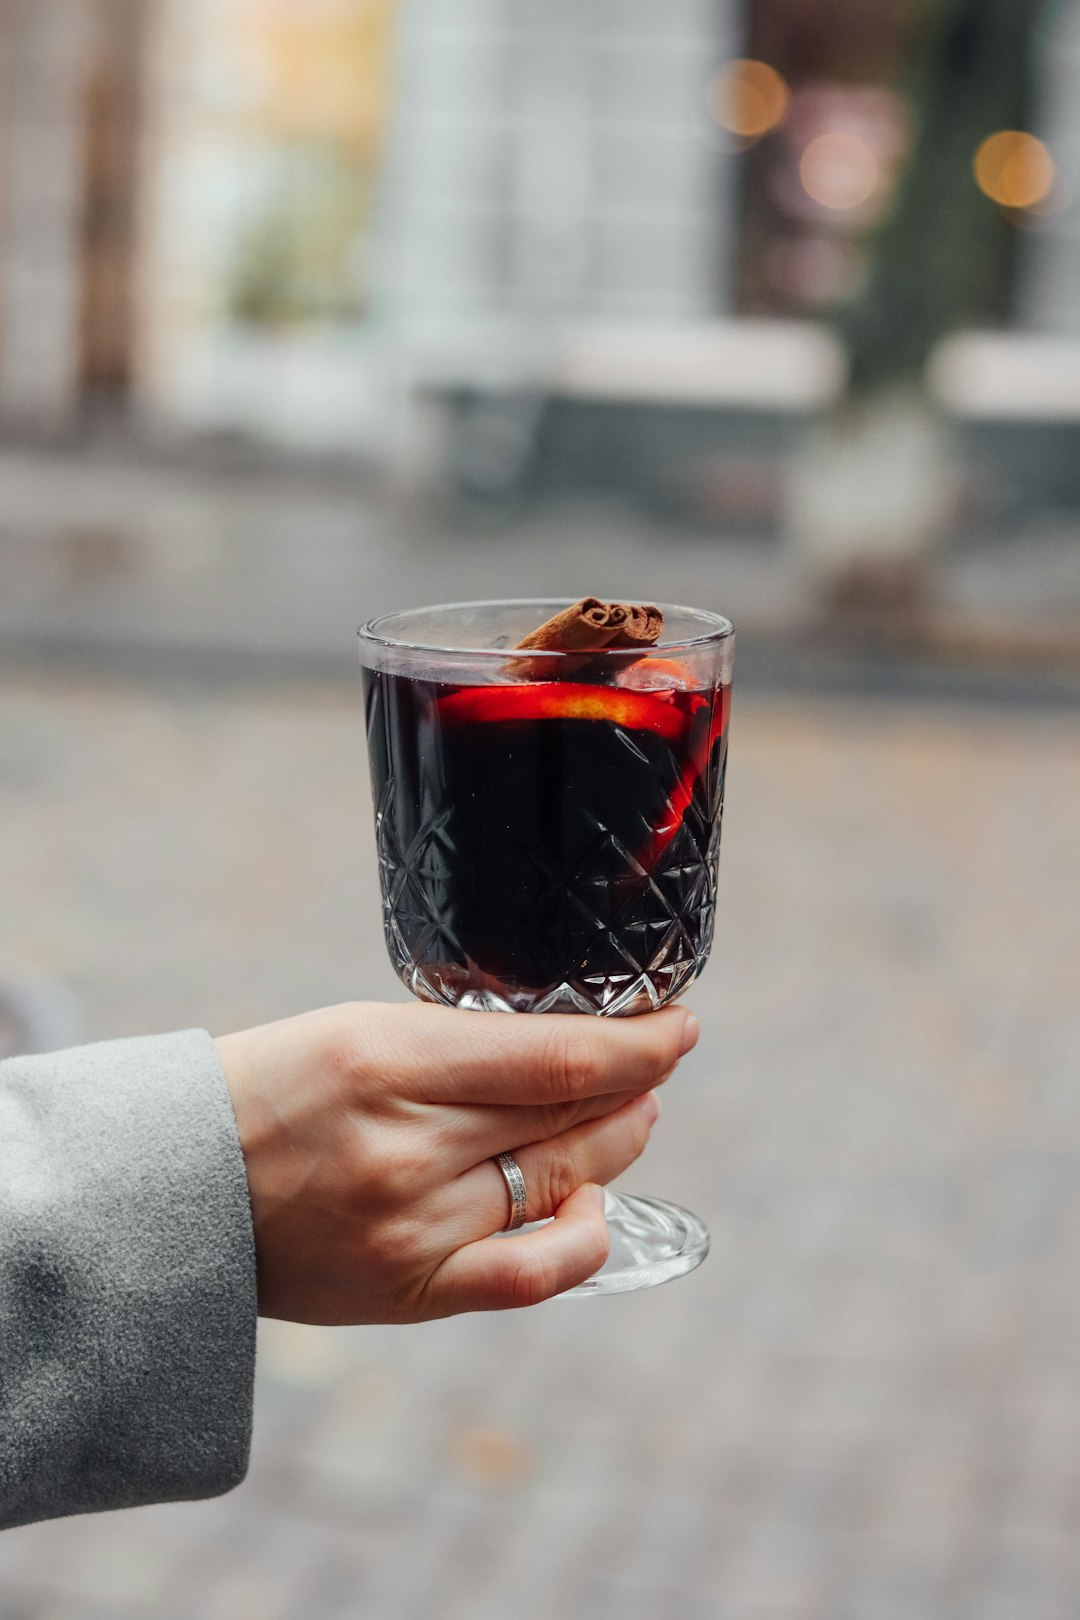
[{"x": 866, "y": 1406}]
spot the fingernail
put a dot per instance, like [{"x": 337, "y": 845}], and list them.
[
  {"x": 598, "y": 1196},
  {"x": 649, "y": 1104},
  {"x": 690, "y": 1033}
]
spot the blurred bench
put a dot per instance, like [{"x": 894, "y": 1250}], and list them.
[
  {"x": 1008, "y": 377},
  {"x": 741, "y": 364},
  {"x": 1015, "y": 398},
  {"x": 625, "y": 405}
]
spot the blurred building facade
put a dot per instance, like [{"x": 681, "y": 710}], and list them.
[
  {"x": 270, "y": 119},
  {"x": 275, "y": 216},
  {"x": 1050, "y": 270},
  {"x": 554, "y": 160},
  {"x": 71, "y": 125}
]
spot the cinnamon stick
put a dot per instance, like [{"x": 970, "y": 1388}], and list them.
[
  {"x": 589, "y": 626},
  {"x": 643, "y": 628}
]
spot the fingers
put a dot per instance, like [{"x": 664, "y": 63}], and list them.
[
  {"x": 498, "y": 1274},
  {"x": 493, "y": 1058},
  {"x": 598, "y": 1151},
  {"x": 469, "y": 1136}
]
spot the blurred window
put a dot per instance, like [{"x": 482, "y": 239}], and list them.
[{"x": 818, "y": 182}]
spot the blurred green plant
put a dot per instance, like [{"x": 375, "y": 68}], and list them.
[
  {"x": 300, "y": 259},
  {"x": 941, "y": 258},
  {"x": 873, "y": 494}
]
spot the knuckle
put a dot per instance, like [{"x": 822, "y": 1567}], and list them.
[
  {"x": 353, "y": 1167},
  {"x": 639, "y": 1133},
  {"x": 409, "y": 1243},
  {"x": 388, "y": 1174},
  {"x": 531, "y": 1279},
  {"x": 553, "y": 1118},
  {"x": 559, "y": 1178},
  {"x": 573, "y": 1067},
  {"x": 346, "y": 1042},
  {"x": 362, "y": 1050},
  {"x": 600, "y": 1239},
  {"x": 659, "y": 1051},
  {"x": 403, "y": 1172},
  {"x": 357, "y": 1178}
]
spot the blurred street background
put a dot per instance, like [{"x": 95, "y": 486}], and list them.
[{"x": 312, "y": 309}]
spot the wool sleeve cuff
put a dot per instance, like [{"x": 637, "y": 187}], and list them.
[{"x": 127, "y": 1280}]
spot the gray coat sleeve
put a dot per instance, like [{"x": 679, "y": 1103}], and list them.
[{"x": 127, "y": 1280}]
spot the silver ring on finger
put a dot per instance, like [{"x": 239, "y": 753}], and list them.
[{"x": 515, "y": 1186}]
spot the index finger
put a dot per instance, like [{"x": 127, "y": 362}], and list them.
[{"x": 443, "y": 1055}]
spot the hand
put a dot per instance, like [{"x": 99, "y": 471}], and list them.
[{"x": 368, "y": 1132}]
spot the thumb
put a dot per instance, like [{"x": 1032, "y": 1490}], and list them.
[{"x": 505, "y": 1273}]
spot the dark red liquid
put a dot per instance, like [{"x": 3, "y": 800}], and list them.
[{"x": 547, "y": 845}]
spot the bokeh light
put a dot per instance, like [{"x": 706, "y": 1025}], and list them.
[
  {"x": 839, "y": 171},
  {"x": 748, "y": 98},
  {"x": 1014, "y": 169}
]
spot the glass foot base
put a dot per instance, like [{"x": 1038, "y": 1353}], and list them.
[{"x": 651, "y": 1242}]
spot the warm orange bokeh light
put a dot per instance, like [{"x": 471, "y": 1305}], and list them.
[
  {"x": 1014, "y": 169},
  {"x": 749, "y": 98},
  {"x": 839, "y": 171}
]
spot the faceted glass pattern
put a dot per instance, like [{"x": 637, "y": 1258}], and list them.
[{"x": 632, "y": 942}]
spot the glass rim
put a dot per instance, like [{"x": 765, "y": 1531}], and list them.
[{"x": 716, "y": 629}]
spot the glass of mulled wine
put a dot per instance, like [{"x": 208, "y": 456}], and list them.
[{"x": 548, "y": 829}]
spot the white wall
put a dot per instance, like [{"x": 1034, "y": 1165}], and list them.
[
  {"x": 554, "y": 159},
  {"x": 1050, "y": 256}
]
